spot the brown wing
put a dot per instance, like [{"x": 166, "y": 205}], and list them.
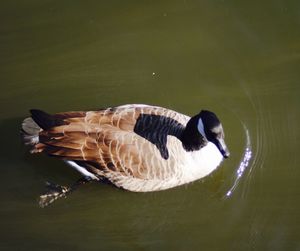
[{"x": 127, "y": 140}]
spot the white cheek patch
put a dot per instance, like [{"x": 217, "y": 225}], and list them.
[{"x": 200, "y": 127}]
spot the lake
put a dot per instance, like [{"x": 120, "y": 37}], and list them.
[{"x": 239, "y": 59}]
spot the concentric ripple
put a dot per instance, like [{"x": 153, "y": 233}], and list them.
[{"x": 244, "y": 163}]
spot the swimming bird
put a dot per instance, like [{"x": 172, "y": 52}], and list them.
[{"x": 136, "y": 147}]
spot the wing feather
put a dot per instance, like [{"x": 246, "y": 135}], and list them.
[{"x": 107, "y": 140}]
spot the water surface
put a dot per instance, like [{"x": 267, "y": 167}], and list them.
[{"x": 240, "y": 60}]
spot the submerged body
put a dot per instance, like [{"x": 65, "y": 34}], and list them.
[{"x": 139, "y": 148}]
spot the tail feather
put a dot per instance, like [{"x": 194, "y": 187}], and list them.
[
  {"x": 30, "y": 132},
  {"x": 32, "y": 126},
  {"x": 45, "y": 120}
]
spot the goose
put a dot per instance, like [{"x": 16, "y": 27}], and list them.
[{"x": 136, "y": 147}]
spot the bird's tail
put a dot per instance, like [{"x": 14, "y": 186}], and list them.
[
  {"x": 32, "y": 126},
  {"x": 30, "y": 132}
]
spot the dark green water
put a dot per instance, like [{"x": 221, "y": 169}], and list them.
[{"x": 239, "y": 59}]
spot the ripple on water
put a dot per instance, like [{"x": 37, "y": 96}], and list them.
[{"x": 244, "y": 163}]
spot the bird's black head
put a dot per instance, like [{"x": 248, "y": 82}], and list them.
[{"x": 211, "y": 128}]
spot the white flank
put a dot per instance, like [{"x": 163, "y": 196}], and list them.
[
  {"x": 81, "y": 169},
  {"x": 193, "y": 166}
]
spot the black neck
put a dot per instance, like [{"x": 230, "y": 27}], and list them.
[{"x": 191, "y": 139}]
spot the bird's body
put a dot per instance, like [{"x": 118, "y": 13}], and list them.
[{"x": 139, "y": 148}]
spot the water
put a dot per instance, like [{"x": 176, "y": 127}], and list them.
[{"x": 240, "y": 60}]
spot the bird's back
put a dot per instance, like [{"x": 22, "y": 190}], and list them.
[{"x": 136, "y": 147}]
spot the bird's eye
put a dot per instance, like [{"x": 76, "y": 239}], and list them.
[
  {"x": 217, "y": 135},
  {"x": 214, "y": 135}
]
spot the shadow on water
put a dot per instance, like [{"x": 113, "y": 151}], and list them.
[
  {"x": 12, "y": 148},
  {"x": 17, "y": 162},
  {"x": 24, "y": 170},
  {"x": 11, "y": 140},
  {"x": 18, "y": 170}
]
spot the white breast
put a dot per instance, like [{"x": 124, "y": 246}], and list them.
[
  {"x": 199, "y": 164},
  {"x": 191, "y": 166}
]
